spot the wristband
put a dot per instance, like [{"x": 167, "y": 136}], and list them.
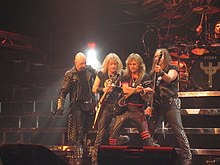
[{"x": 99, "y": 90}]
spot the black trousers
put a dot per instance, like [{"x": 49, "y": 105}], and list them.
[
  {"x": 81, "y": 113},
  {"x": 171, "y": 112},
  {"x": 104, "y": 123},
  {"x": 135, "y": 115}
]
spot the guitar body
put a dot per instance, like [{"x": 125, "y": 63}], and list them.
[
  {"x": 121, "y": 107},
  {"x": 99, "y": 106},
  {"x": 122, "y": 101}
]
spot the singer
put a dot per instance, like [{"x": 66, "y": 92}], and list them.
[{"x": 166, "y": 101}]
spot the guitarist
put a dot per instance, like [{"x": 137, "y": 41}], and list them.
[
  {"x": 132, "y": 79},
  {"x": 167, "y": 101},
  {"x": 111, "y": 67}
]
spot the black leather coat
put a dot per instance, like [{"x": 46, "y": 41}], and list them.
[{"x": 71, "y": 84}]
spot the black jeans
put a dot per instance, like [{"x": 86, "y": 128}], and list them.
[
  {"x": 104, "y": 123},
  {"x": 135, "y": 115},
  {"x": 172, "y": 114}
]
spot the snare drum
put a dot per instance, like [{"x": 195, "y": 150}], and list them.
[{"x": 205, "y": 72}]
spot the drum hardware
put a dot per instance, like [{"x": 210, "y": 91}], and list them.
[
  {"x": 201, "y": 47},
  {"x": 180, "y": 51}
]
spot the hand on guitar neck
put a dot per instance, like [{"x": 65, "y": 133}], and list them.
[
  {"x": 109, "y": 88},
  {"x": 148, "y": 111}
]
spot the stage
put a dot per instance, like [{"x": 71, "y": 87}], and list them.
[{"x": 200, "y": 114}]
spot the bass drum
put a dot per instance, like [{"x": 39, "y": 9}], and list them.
[{"x": 205, "y": 72}]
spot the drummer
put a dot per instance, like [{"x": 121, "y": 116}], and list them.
[{"x": 215, "y": 39}]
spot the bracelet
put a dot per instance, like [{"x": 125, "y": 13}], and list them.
[
  {"x": 99, "y": 90},
  {"x": 162, "y": 73}
]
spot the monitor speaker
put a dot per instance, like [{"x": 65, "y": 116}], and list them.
[
  {"x": 25, "y": 154},
  {"x": 124, "y": 155}
]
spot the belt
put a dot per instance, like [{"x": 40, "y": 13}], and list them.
[{"x": 136, "y": 105}]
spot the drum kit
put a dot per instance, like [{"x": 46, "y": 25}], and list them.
[{"x": 199, "y": 66}]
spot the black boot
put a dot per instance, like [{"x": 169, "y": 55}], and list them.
[
  {"x": 123, "y": 139},
  {"x": 150, "y": 142},
  {"x": 186, "y": 158}
]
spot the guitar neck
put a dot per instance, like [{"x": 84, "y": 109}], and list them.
[{"x": 104, "y": 95}]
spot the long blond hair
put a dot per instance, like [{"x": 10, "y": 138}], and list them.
[
  {"x": 109, "y": 57},
  {"x": 142, "y": 69}
]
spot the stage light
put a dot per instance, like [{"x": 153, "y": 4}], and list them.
[
  {"x": 92, "y": 59},
  {"x": 91, "y": 53}
]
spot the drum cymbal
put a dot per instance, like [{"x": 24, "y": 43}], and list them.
[
  {"x": 181, "y": 64},
  {"x": 206, "y": 9},
  {"x": 199, "y": 51},
  {"x": 184, "y": 56},
  {"x": 171, "y": 15}
]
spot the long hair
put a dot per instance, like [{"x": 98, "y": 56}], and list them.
[
  {"x": 112, "y": 56},
  {"x": 142, "y": 69},
  {"x": 167, "y": 59}
]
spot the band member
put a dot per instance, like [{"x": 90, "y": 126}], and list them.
[
  {"x": 111, "y": 67},
  {"x": 215, "y": 39},
  {"x": 77, "y": 83},
  {"x": 167, "y": 101},
  {"x": 132, "y": 80}
]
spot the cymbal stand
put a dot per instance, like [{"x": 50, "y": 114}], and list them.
[{"x": 207, "y": 33}]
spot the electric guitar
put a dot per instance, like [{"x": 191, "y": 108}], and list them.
[
  {"x": 98, "y": 108},
  {"x": 154, "y": 83},
  {"x": 122, "y": 102},
  {"x": 120, "y": 108}
]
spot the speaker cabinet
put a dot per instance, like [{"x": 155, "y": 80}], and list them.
[
  {"x": 124, "y": 155},
  {"x": 25, "y": 154}
]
